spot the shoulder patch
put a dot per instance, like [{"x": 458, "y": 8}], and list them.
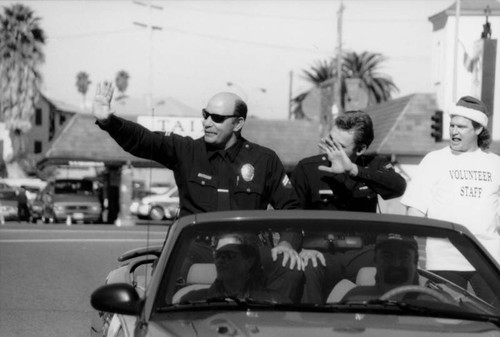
[{"x": 286, "y": 182}]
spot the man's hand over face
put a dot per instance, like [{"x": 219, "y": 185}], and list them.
[
  {"x": 101, "y": 107},
  {"x": 339, "y": 160}
]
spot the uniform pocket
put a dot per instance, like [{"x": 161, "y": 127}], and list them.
[
  {"x": 203, "y": 190},
  {"x": 249, "y": 195}
]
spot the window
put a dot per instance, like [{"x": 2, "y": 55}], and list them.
[
  {"x": 38, "y": 146},
  {"x": 38, "y": 116}
]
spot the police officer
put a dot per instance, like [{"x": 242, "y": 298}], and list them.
[
  {"x": 342, "y": 178},
  {"x": 219, "y": 171}
]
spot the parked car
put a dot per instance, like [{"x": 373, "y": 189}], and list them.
[
  {"x": 71, "y": 199},
  {"x": 157, "y": 206},
  {"x": 151, "y": 294},
  {"x": 8, "y": 203}
]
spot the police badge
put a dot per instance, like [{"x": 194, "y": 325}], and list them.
[{"x": 247, "y": 172}]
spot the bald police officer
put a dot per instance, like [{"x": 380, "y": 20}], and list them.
[{"x": 219, "y": 171}]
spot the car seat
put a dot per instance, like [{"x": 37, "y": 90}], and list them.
[
  {"x": 365, "y": 277},
  {"x": 200, "y": 276}
]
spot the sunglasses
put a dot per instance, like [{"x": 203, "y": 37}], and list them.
[
  {"x": 226, "y": 255},
  {"x": 215, "y": 117}
]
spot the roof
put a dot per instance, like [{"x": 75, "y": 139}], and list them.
[
  {"x": 82, "y": 140},
  {"x": 62, "y": 106},
  {"x": 474, "y": 7},
  {"x": 291, "y": 140},
  {"x": 403, "y": 126},
  {"x": 467, "y": 8}
]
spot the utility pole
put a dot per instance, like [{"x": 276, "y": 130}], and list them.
[
  {"x": 290, "y": 88},
  {"x": 455, "y": 52},
  {"x": 150, "y": 28},
  {"x": 126, "y": 174},
  {"x": 338, "y": 82}
]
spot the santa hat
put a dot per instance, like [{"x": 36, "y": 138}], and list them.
[{"x": 471, "y": 108}]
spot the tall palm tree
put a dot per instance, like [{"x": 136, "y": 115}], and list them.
[
  {"x": 21, "y": 55},
  {"x": 121, "y": 81},
  {"x": 364, "y": 66},
  {"x": 82, "y": 84}
]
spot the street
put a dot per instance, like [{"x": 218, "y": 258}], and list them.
[{"x": 47, "y": 273}]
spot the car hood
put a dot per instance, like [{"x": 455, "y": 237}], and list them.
[
  {"x": 287, "y": 324},
  {"x": 72, "y": 198},
  {"x": 159, "y": 198},
  {"x": 8, "y": 202}
]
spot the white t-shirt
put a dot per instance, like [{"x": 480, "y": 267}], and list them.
[{"x": 461, "y": 187}]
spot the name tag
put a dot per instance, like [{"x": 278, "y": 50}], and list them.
[{"x": 204, "y": 176}]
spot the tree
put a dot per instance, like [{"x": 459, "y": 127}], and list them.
[
  {"x": 121, "y": 81},
  {"x": 21, "y": 55},
  {"x": 364, "y": 66},
  {"x": 82, "y": 84}
]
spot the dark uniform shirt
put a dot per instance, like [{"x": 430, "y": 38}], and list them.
[
  {"x": 217, "y": 291},
  {"x": 245, "y": 176},
  {"x": 326, "y": 191}
]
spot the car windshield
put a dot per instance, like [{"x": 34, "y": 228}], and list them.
[
  {"x": 84, "y": 187},
  {"x": 370, "y": 261},
  {"x": 8, "y": 195}
]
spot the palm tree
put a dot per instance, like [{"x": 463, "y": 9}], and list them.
[
  {"x": 82, "y": 84},
  {"x": 121, "y": 81},
  {"x": 364, "y": 66},
  {"x": 21, "y": 55}
]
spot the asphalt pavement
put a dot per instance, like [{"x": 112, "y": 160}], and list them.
[{"x": 48, "y": 272}]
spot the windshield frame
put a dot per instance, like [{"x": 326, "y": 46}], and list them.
[{"x": 476, "y": 255}]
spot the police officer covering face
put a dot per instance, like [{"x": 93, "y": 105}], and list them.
[
  {"x": 342, "y": 178},
  {"x": 219, "y": 171}
]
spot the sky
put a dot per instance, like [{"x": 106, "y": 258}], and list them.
[{"x": 260, "y": 47}]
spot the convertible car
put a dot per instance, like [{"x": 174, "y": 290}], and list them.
[{"x": 175, "y": 290}]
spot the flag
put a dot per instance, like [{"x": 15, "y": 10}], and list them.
[{"x": 468, "y": 59}]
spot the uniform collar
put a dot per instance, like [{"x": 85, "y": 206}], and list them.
[{"x": 231, "y": 153}]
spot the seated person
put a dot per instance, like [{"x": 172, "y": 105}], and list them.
[
  {"x": 396, "y": 258},
  {"x": 239, "y": 272}
]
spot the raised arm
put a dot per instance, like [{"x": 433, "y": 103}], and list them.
[{"x": 101, "y": 107}]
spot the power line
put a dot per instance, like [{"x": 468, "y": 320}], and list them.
[
  {"x": 233, "y": 40},
  {"x": 187, "y": 32},
  {"x": 91, "y": 34},
  {"x": 298, "y": 18}
]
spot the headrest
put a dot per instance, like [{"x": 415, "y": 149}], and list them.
[
  {"x": 201, "y": 273},
  {"x": 366, "y": 276}
]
